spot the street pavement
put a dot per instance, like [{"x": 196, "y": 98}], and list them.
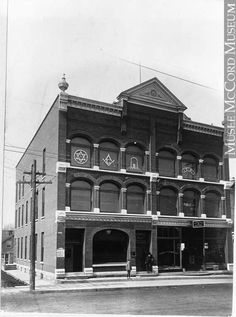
[{"x": 109, "y": 283}]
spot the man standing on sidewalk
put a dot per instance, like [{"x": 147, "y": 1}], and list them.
[{"x": 128, "y": 268}]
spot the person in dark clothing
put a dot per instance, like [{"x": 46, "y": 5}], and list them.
[
  {"x": 128, "y": 268},
  {"x": 149, "y": 262}
]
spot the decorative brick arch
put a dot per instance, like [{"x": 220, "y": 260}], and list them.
[
  {"x": 212, "y": 155},
  {"x": 84, "y": 176},
  {"x": 190, "y": 151},
  {"x": 108, "y": 138},
  {"x": 109, "y": 178},
  {"x": 168, "y": 148},
  {"x": 212, "y": 189},
  {"x": 96, "y": 230},
  {"x": 132, "y": 181},
  {"x": 190, "y": 187},
  {"x": 81, "y": 134},
  {"x": 140, "y": 144},
  {"x": 171, "y": 186}
]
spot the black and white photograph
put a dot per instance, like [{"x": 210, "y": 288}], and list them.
[{"x": 118, "y": 157}]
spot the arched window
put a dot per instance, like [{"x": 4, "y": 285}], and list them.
[
  {"x": 81, "y": 196},
  {"x": 210, "y": 169},
  {"x": 190, "y": 203},
  {"x": 109, "y": 197},
  {"x": 212, "y": 204},
  {"x": 108, "y": 155},
  {"x": 166, "y": 163},
  {"x": 134, "y": 158},
  {"x": 135, "y": 199},
  {"x": 80, "y": 152},
  {"x": 189, "y": 166},
  {"x": 168, "y": 201}
]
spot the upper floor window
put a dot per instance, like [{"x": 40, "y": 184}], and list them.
[
  {"x": 109, "y": 197},
  {"x": 43, "y": 202},
  {"x": 81, "y": 196},
  {"x": 166, "y": 163},
  {"x": 168, "y": 201},
  {"x": 80, "y": 152},
  {"x": 212, "y": 204},
  {"x": 210, "y": 168},
  {"x": 36, "y": 205},
  {"x": 135, "y": 199},
  {"x": 44, "y": 162},
  {"x": 134, "y": 158},
  {"x": 26, "y": 211},
  {"x": 190, "y": 203},
  {"x": 189, "y": 166},
  {"x": 108, "y": 155}
]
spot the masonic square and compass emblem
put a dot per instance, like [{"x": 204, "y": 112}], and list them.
[{"x": 108, "y": 160}]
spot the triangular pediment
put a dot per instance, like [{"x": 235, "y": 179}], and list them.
[{"x": 153, "y": 93}]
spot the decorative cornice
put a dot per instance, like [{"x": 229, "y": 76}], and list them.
[
  {"x": 107, "y": 218},
  {"x": 203, "y": 128},
  {"x": 93, "y": 105}
]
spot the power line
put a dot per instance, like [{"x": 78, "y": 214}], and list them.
[{"x": 164, "y": 73}]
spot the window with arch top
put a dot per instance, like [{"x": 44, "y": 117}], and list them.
[
  {"x": 212, "y": 204},
  {"x": 168, "y": 201},
  {"x": 81, "y": 196},
  {"x": 135, "y": 199},
  {"x": 108, "y": 155},
  {"x": 80, "y": 152},
  {"x": 190, "y": 203},
  {"x": 166, "y": 163},
  {"x": 210, "y": 168},
  {"x": 109, "y": 197},
  {"x": 189, "y": 166},
  {"x": 134, "y": 158}
]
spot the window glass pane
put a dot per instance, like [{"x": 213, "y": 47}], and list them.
[
  {"x": 166, "y": 163},
  {"x": 212, "y": 204},
  {"x": 168, "y": 201},
  {"x": 109, "y": 197},
  {"x": 189, "y": 166},
  {"x": 81, "y": 196},
  {"x": 80, "y": 152},
  {"x": 190, "y": 203},
  {"x": 135, "y": 199},
  {"x": 134, "y": 158},
  {"x": 108, "y": 156},
  {"x": 210, "y": 169}
]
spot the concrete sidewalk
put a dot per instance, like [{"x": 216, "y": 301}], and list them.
[{"x": 108, "y": 283}]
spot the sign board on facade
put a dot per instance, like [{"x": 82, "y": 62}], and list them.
[
  {"x": 198, "y": 224},
  {"x": 60, "y": 253}
]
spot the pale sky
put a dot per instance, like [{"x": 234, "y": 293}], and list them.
[{"x": 87, "y": 40}]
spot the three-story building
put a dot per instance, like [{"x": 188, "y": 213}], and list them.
[{"x": 128, "y": 178}]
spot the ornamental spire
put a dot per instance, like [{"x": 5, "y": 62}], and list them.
[{"x": 63, "y": 85}]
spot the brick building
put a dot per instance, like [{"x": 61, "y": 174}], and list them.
[{"x": 128, "y": 178}]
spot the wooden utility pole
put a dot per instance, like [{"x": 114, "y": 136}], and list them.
[
  {"x": 32, "y": 228},
  {"x": 33, "y": 250}
]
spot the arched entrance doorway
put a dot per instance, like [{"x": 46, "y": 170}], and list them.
[{"x": 110, "y": 246}]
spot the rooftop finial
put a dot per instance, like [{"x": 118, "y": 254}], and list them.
[{"x": 63, "y": 85}]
